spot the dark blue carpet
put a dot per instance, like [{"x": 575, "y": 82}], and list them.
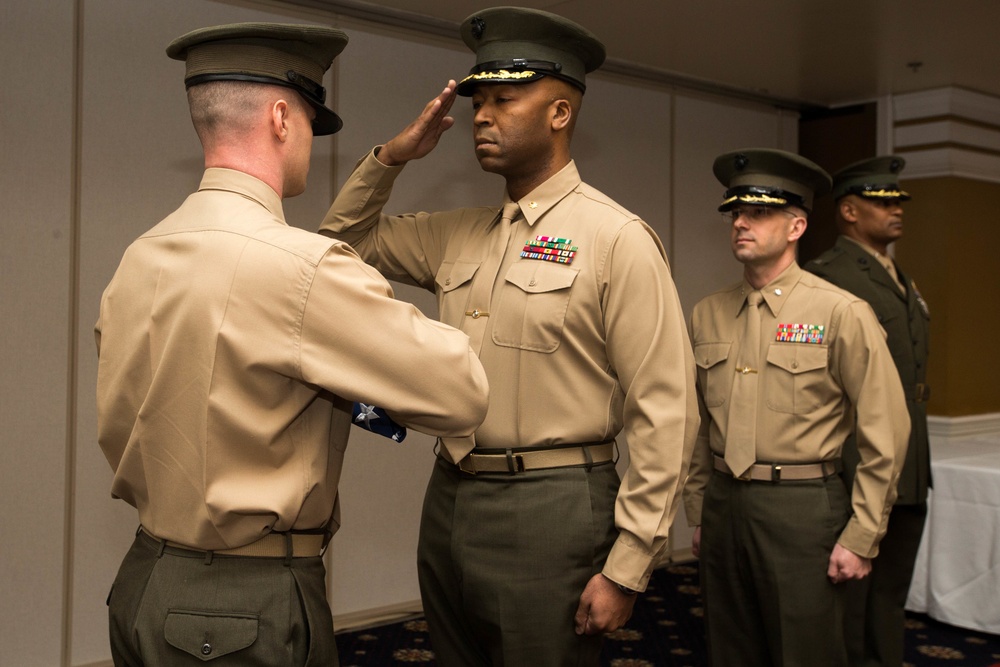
[{"x": 666, "y": 630}]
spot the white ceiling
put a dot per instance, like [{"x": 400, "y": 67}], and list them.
[{"x": 822, "y": 52}]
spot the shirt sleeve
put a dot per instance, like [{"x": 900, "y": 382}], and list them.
[
  {"x": 862, "y": 361},
  {"x": 363, "y": 345},
  {"x": 651, "y": 355},
  {"x": 401, "y": 247}
]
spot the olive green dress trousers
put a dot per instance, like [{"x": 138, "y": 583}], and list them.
[
  {"x": 503, "y": 559},
  {"x": 875, "y": 624},
  {"x": 765, "y": 550},
  {"x": 172, "y": 607}
]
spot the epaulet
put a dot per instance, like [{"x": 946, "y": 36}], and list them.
[{"x": 827, "y": 257}]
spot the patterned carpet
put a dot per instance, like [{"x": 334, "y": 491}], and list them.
[{"x": 666, "y": 630}]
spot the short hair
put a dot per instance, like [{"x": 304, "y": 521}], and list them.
[
  {"x": 562, "y": 89},
  {"x": 219, "y": 108},
  {"x": 798, "y": 211}
]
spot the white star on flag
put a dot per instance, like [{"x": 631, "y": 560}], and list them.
[{"x": 366, "y": 415}]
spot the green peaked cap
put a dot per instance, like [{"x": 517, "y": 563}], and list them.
[
  {"x": 875, "y": 178},
  {"x": 769, "y": 177},
  {"x": 283, "y": 54},
  {"x": 520, "y": 45}
]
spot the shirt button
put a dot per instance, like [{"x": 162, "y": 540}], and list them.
[
  {"x": 447, "y": 281},
  {"x": 795, "y": 364},
  {"x": 206, "y": 649},
  {"x": 531, "y": 283}
]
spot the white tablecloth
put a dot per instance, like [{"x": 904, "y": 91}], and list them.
[{"x": 957, "y": 576}]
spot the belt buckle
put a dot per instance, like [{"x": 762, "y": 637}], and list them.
[
  {"x": 775, "y": 472},
  {"x": 467, "y": 461},
  {"x": 515, "y": 462}
]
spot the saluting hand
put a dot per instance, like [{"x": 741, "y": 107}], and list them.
[
  {"x": 603, "y": 607},
  {"x": 421, "y": 136},
  {"x": 845, "y": 565}
]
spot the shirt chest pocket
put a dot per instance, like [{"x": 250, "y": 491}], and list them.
[
  {"x": 798, "y": 380},
  {"x": 713, "y": 378},
  {"x": 454, "y": 283},
  {"x": 531, "y": 310}
]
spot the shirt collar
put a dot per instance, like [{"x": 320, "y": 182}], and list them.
[
  {"x": 537, "y": 202},
  {"x": 776, "y": 292},
  {"x": 241, "y": 183},
  {"x": 867, "y": 248}
]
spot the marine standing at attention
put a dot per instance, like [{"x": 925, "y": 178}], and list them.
[
  {"x": 786, "y": 361},
  {"x": 869, "y": 218}
]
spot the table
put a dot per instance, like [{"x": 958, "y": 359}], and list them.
[{"x": 957, "y": 575}]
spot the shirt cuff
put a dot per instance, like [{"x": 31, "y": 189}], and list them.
[
  {"x": 862, "y": 542},
  {"x": 628, "y": 565},
  {"x": 374, "y": 173}
]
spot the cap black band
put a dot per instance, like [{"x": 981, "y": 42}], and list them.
[
  {"x": 760, "y": 196},
  {"x": 517, "y": 64},
  {"x": 539, "y": 67},
  {"x": 887, "y": 191},
  {"x": 308, "y": 88}
]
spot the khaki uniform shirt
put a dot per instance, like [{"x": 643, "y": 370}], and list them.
[
  {"x": 575, "y": 353},
  {"x": 809, "y": 392},
  {"x": 231, "y": 347}
]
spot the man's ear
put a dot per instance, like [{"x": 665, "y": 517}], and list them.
[
  {"x": 799, "y": 225},
  {"x": 562, "y": 113},
  {"x": 848, "y": 211},
  {"x": 280, "y": 112}
]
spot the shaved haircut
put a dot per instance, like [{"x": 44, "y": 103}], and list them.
[{"x": 225, "y": 108}]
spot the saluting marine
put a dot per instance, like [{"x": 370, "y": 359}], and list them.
[{"x": 530, "y": 547}]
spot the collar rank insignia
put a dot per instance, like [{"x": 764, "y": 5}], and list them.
[
  {"x": 800, "y": 333},
  {"x": 550, "y": 249}
]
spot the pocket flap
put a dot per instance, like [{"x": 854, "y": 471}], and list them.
[
  {"x": 798, "y": 358},
  {"x": 535, "y": 276},
  {"x": 208, "y": 635},
  {"x": 707, "y": 355},
  {"x": 452, "y": 275}
]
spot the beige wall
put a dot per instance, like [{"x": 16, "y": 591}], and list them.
[
  {"x": 97, "y": 147},
  {"x": 36, "y": 308}
]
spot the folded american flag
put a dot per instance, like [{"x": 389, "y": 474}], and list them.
[{"x": 376, "y": 420}]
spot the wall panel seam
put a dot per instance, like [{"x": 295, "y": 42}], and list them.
[{"x": 72, "y": 357}]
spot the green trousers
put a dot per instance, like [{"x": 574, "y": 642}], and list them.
[
  {"x": 503, "y": 560},
  {"x": 765, "y": 549},
  {"x": 174, "y": 607},
  {"x": 875, "y": 615}
]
